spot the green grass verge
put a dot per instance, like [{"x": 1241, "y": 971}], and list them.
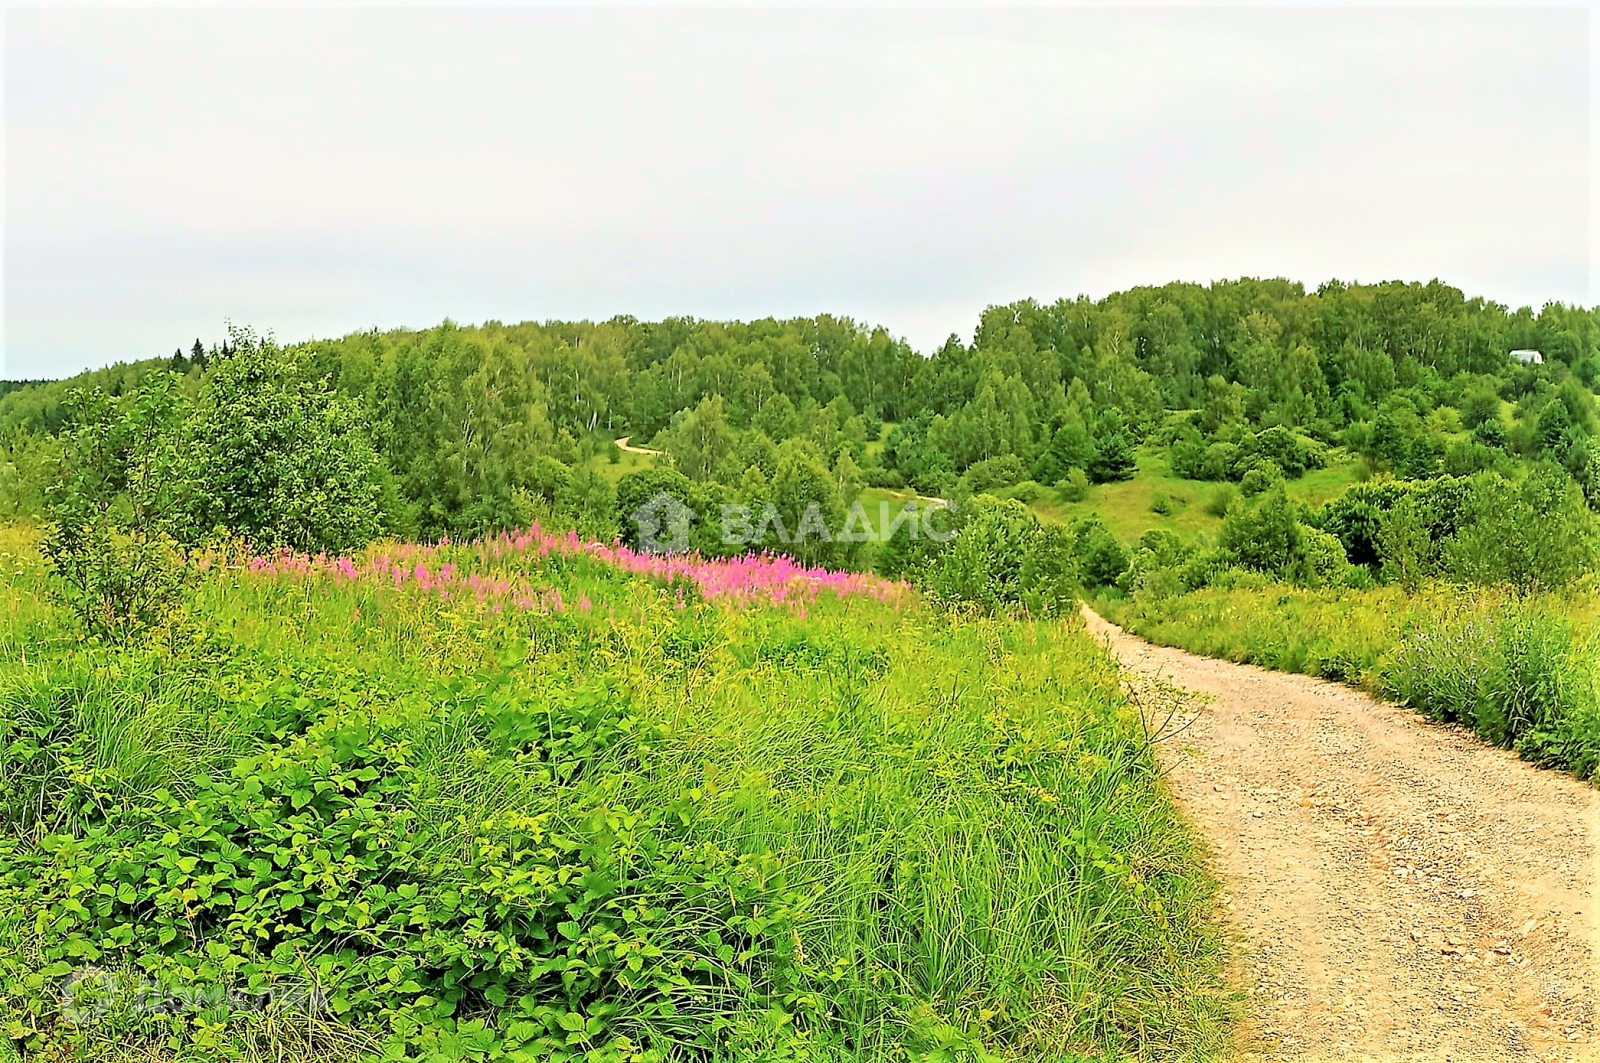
[{"x": 1521, "y": 671}]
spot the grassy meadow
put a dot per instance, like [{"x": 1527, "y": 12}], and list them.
[
  {"x": 1130, "y": 508},
  {"x": 530, "y": 798}
]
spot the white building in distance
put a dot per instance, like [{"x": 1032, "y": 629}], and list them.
[{"x": 1527, "y": 357}]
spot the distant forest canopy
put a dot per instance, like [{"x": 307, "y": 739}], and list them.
[{"x": 474, "y": 424}]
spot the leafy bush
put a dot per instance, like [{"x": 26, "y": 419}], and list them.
[
  {"x": 1539, "y": 533},
  {"x": 1325, "y": 563},
  {"x": 1027, "y": 492},
  {"x": 278, "y": 458},
  {"x": 986, "y": 476},
  {"x": 1002, "y": 555},
  {"x": 636, "y": 490},
  {"x": 1261, "y": 476},
  {"x": 108, "y": 511},
  {"x": 1101, "y": 558},
  {"x": 1074, "y": 487},
  {"x": 1262, "y": 536},
  {"x": 1158, "y": 551}
]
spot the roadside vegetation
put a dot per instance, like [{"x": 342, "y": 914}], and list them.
[{"x": 513, "y": 799}]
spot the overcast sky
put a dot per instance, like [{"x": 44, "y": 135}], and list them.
[{"x": 316, "y": 172}]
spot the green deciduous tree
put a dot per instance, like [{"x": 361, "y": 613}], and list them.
[{"x": 279, "y": 458}]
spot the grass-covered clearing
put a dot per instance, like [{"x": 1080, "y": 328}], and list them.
[
  {"x": 509, "y": 800},
  {"x": 1194, "y": 508}
]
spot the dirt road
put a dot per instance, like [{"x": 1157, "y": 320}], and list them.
[
  {"x": 622, "y": 445},
  {"x": 1403, "y": 892}
]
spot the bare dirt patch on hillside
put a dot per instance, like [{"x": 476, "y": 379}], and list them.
[{"x": 1402, "y": 891}]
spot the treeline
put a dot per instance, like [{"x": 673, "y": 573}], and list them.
[
  {"x": 1531, "y": 533},
  {"x": 480, "y": 428}
]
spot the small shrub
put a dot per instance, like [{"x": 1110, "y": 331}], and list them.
[
  {"x": 114, "y": 564},
  {"x": 1027, "y": 492},
  {"x": 987, "y": 476},
  {"x": 1325, "y": 563},
  {"x": 1074, "y": 487},
  {"x": 1101, "y": 558},
  {"x": 1003, "y": 556},
  {"x": 1161, "y": 504},
  {"x": 1264, "y": 535},
  {"x": 1218, "y": 501},
  {"x": 1260, "y": 476}
]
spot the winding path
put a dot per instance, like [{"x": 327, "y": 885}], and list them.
[
  {"x": 1403, "y": 892},
  {"x": 622, "y": 445}
]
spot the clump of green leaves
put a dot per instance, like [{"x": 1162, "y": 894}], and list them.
[
  {"x": 277, "y": 457},
  {"x": 110, "y": 510},
  {"x": 265, "y": 455}
]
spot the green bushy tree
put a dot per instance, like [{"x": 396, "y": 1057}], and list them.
[
  {"x": 1002, "y": 556},
  {"x": 278, "y": 458},
  {"x": 1263, "y": 535},
  {"x": 1533, "y": 534},
  {"x": 112, "y": 506},
  {"x": 1101, "y": 557}
]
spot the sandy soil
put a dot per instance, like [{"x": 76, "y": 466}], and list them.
[{"x": 1402, "y": 891}]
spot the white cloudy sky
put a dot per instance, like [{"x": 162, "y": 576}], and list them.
[{"x": 314, "y": 172}]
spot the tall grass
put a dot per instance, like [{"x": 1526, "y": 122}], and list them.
[
  {"x": 966, "y": 842},
  {"x": 1518, "y": 670}
]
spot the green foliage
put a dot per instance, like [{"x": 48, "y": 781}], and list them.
[
  {"x": 1325, "y": 561},
  {"x": 1539, "y": 533},
  {"x": 811, "y": 508},
  {"x": 111, "y": 508},
  {"x": 278, "y": 458},
  {"x": 1113, "y": 453},
  {"x": 1074, "y": 487},
  {"x": 1101, "y": 558},
  {"x": 637, "y": 489},
  {"x": 986, "y": 476},
  {"x": 654, "y": 828},
  {"x": 1263, "y": 475},
  {"x": 1263, "y": 536},
  {"x": 1003, "y": 556}
]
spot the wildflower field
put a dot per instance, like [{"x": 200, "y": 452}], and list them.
[{"x": 532, "y": 797}]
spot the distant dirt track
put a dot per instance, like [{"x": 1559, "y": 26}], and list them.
[
  {"x": 1403, "y": 892},
  {"x": 622, "y": 445}
]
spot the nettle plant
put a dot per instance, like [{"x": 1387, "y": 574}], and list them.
[{"x": 321, "y": 872}]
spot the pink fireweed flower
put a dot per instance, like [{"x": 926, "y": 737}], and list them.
[{"x": 753, "y": 577}]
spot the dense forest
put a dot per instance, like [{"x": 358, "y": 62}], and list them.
[{"x": 457, "y": 431}]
